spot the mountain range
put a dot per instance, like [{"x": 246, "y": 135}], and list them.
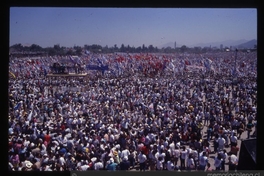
[{"x": 227, "y": 43}]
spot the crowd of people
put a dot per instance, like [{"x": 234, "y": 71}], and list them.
[{"x": 137, "y": 122}]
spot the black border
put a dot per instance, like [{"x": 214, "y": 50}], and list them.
[{"x": 102, "y": 3}]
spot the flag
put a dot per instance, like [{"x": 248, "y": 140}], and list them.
[
  {"x": 72, "y": 60},
  {"x": 17, "y": 106},
  {"x": 187, "y": 62},
  {"x": 208, "y": 64},
  {"x": 45, "y": 72},
  {"x": 30, "y": 116},
  {"x": 12, "y": 74}
]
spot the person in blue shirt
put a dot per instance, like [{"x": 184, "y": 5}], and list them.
[
  {"x": 250, "y": 125},
  {"x": 112, "y": 165}
]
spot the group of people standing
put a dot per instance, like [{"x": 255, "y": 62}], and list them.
[{"x": 167, "y": 122}]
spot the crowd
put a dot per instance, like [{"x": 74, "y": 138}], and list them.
[{"x": 164, "y": 122}]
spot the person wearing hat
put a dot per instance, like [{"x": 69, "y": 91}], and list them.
[
  {"x": 28, "y": 165},
  {"x": 45, "y": 158},
  {"x": 116, "y": 157},
  {"x": 112, "y": 166}
]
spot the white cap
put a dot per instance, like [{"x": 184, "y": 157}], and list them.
[{"x": 111, "y": 160}]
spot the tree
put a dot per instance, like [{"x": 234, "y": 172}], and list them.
[
  {"x": 122, "y": 48},
  {"x": 56, "y": 47},
  {"x": 151, "y": 48},
  {"x": 138, "y": 49},
  {"x": 143, "y": 48},
  {"x": 35, "y": 48},
  {"x": 197, "y": 50},
  {"x": 69, "y": 52},
  {"x": 78, "y": 51},
  {"x": 183, "y": 48},
  {"x": 168, "y": 49},
  {"x": 51, "y": 51},
  {"x": 17, "y": 47}
]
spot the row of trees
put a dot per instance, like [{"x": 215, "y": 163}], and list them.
[{"x": 78, "y": 50}]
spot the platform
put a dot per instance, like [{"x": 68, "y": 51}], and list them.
[{"x": 67, "y": 75}]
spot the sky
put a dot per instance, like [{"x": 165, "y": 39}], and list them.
[{"x": 48, "y": 26}]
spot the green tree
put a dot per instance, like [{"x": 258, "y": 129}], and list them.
[
  {"x": 183, "y": 48},
  {"x": 138, "y": 49},
  {"x": 143, "y": 48},
  {"x": 151, "y": 48},
  {"x": 122, "y": 48},
  {"x": 197, "y": 50}
]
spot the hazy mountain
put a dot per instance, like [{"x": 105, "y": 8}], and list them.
[
  {"x": 226, "y": 43},
  {"x": 249, "y": 45}
]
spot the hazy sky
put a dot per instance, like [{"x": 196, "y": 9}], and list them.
[{"x": 129, "y": 26}]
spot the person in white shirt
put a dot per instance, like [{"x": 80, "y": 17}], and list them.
[
  {"x": 170, "y": 166},
  {"x": 98, "y": 165},
  {"x": 233, "y": 161},
  {"x": 160, "y": 154},
  {"x": 84, "y": 167},
  {"x": 203, "y": 160},
  {"x": 221, "y": 142},
  {"x": 183, "y": 157},
  {"x": 190, "y": 163},
  {"x": 189, "y": 151},
  {"x": 176, "y": 155},
  {"x": 223, "y": 155},
  {"x": 159, "y": 165},
  {"x": 233, "y": 140},
  {"x": 125, "y": 153},
  {"x": 142, "y": 161},
  {"x": 46, "y": 168},
  {"x": 62, "y": 161},
  {"x": 152, "y": 159},
  {"x": 195, "y": 157}
]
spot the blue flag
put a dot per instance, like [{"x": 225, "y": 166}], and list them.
[{"x": 17, "y": 106}]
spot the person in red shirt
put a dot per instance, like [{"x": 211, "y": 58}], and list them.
[
  {"x": 145, "y": 150},
  {"x": 63, "y": 126},
  {"x": 234, "y": 150},
  {"x": 47, "y": 138}
]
